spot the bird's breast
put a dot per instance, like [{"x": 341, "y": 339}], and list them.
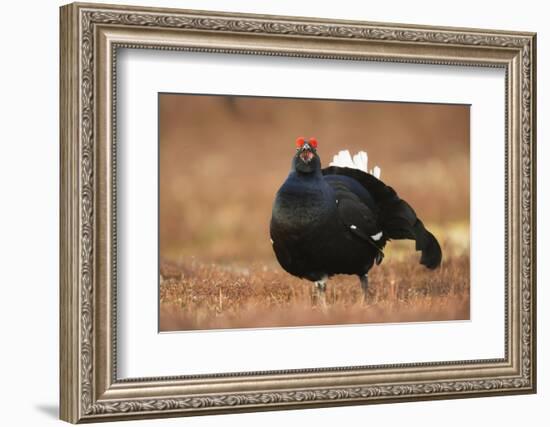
[{"x": 299, "y": 211}]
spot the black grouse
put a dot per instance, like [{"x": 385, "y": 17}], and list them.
[{"x": 337, "y": 220}]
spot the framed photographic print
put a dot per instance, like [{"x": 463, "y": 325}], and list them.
[{"x": 266, "y": 212}]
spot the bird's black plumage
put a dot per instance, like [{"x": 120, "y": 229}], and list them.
[{"x": 337, "y": 220}]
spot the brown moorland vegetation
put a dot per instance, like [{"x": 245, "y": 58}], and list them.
[{"x": 197, "y": 295}]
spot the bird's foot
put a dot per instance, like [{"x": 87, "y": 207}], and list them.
[
  {"x": 319, "y": 293},
  {"x": 365, "y": 288}
]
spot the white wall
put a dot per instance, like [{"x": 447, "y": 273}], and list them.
[{"x": 29, "y": 170}]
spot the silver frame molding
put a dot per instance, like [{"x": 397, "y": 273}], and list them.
[{"x": 90, "y": 37}]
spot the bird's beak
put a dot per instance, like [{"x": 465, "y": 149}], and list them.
[{"x": 306, "y": 154}]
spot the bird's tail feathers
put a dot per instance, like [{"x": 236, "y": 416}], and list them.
[
  {"x": 359, "y": 161},
  {"x": 401, "y": 222},
  {"x": 428, "y": 244}
]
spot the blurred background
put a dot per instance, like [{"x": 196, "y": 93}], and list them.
[{"x": 222, "y": 159}]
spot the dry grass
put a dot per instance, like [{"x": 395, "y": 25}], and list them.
[{"x": 210, "y": 296}]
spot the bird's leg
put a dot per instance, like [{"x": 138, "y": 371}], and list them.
[
  {"x": 320, "y": 287},
  {"x": 365, "y": 287}
]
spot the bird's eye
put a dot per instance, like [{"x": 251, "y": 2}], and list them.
[
  {"x": 300, "y": 142},
  {"x": 313, "y": 142}
]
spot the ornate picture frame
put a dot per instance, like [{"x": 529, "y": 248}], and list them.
[{"x": 90, "y": 37}]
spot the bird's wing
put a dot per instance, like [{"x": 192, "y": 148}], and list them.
[
  {"x": 357, "y": 212},
  {"x": 395, "y": 216}
]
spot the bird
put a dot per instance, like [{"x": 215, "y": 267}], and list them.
[{"x": 338, "y": 219}]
